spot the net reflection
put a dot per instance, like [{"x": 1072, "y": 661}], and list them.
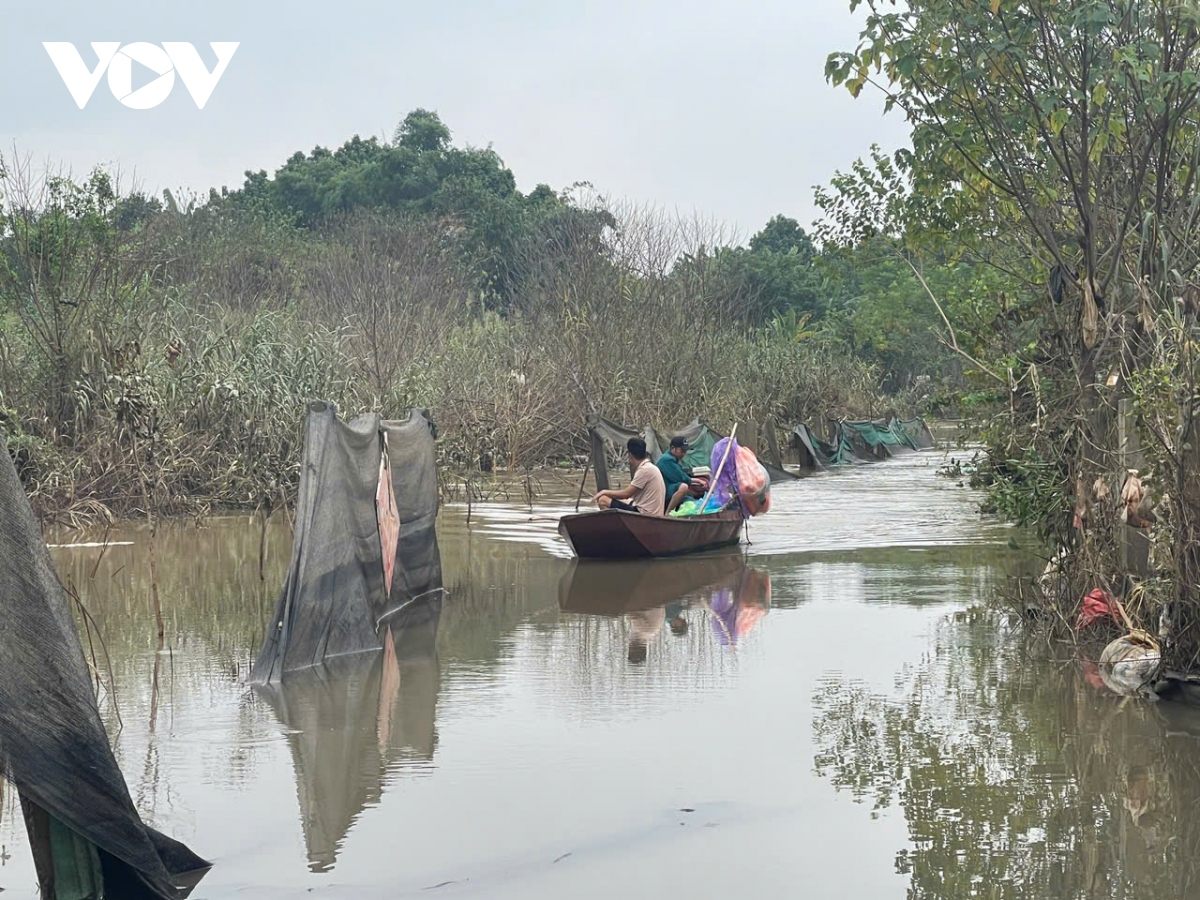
[{"x": 356, "y": 721}]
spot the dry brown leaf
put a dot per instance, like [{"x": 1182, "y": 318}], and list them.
[
  {"x": 1191, "y": 299},
  {"x": 1145, "y": 306},
  {"x": 1091, "y": 315}
]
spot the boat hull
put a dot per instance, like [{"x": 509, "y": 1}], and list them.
[{"x": 618, "y": 534}]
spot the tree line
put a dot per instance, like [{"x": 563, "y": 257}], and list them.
[{"x": 161, "y": 349}]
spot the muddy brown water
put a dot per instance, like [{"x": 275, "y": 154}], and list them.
[{"x": 830, "y": 712}]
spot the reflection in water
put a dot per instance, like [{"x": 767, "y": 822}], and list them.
[
  {"x": 356, "y": 719},
  {"x": 737, "y": 608},
  {"x": 1017, "y": 776},
  {"x": 604, "y": 588},
  {"x": 658, "y": 596}
]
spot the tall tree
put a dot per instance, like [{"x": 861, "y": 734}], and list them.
[
  {"x": 1068, "y": 132},
  {"x": 784, "y": 235},
  {"x": 422, "y": 131}
]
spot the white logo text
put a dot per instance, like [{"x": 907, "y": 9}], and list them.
[{"x": 117, "y": 60}]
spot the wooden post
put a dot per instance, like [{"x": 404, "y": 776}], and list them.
[
  {"x": 749, "y": 437},
  {"x": 582, "y": 483},
  {"x": 599, "y": 463},
  {"x": 771, "y": 442},
  {"x": 833, "y": 431}
]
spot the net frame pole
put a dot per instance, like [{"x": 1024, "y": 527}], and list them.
[{"x": 717, "y": 476}]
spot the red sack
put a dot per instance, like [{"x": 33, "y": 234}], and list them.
[{"x": 1096, "y": 605}]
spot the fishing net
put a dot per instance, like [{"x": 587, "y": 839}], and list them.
[
  {"x": 336, "y": 598},
  {"x": 916, "y": 431},
  {"x": 814, "y": 452},
  {"x": 865, "y": 441},
  {"x": 887, "y": 437},
  {"x": 86, "y": 835}
]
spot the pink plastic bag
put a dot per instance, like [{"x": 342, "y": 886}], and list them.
[{"x": 754, "y": 484}]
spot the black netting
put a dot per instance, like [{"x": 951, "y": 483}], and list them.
[
  {"x": 53, "y": 746},
  {"x": 413, "y": 459},
  {"x": 918, "y": 432},
  {"x": 334, "y": 602},
  {"x": 864, "y": 441},
  {"x": 814, "y": 452}
]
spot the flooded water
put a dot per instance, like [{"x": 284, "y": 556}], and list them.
[{"x": 830, "y": 712}]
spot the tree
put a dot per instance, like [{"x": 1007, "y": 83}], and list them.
[
  {"x": 421, "y": 174},
  {"x": 64, "y": 248},
  {"x": 784, "y": 235},
  {"x": 1066, "y": 133},
  {"x": 422, "y": 131}
]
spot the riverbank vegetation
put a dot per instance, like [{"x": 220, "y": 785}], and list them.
[
  {"x": 160, "y": 351},
  {"x": 1056, "y": 145}
]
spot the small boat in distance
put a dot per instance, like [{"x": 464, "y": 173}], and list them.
[{"x": 619, "y": 534}]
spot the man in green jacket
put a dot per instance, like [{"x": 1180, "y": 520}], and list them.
[{"x": 678, "y": 480}]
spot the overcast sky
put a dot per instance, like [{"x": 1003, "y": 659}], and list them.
[{"x": 712, "y": 107}]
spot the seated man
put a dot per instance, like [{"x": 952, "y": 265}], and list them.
[
  {"x": 647, "y": 494},
  {"x": 678, "y": 480}
]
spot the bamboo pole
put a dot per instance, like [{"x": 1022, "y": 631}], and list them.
[
  {"x": 158, "y": 616},
  {"x": 587, "y": 467},
  {"x": 265, "y": 513},
  {"x": 712, "y": 486}
]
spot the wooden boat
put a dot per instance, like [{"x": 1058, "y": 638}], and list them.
[{"x": 618, "y": 534}]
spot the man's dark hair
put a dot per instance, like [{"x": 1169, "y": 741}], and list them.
[{"x": 637, "y": 448}]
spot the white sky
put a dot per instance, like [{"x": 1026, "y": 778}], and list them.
[{"x": 708, "y": 107}]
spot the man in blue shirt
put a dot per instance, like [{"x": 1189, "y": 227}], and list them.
[{"x": 676, "y": 477}]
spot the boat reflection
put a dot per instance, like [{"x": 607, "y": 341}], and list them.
[
  {"x": 651, "y": 594},
  {"x": 355, "y": 720}
]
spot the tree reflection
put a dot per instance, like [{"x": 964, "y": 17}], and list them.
[{"x": 1016, "y": 776}]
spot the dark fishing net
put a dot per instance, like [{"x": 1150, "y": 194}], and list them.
[
  {"x": 814, "y": 452},
  {"x": 53, "y": 746},
  {"x": 865, "y": 441},
  {"x": 418, "y": 572},
  {"x": 334, "y": 600}
]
